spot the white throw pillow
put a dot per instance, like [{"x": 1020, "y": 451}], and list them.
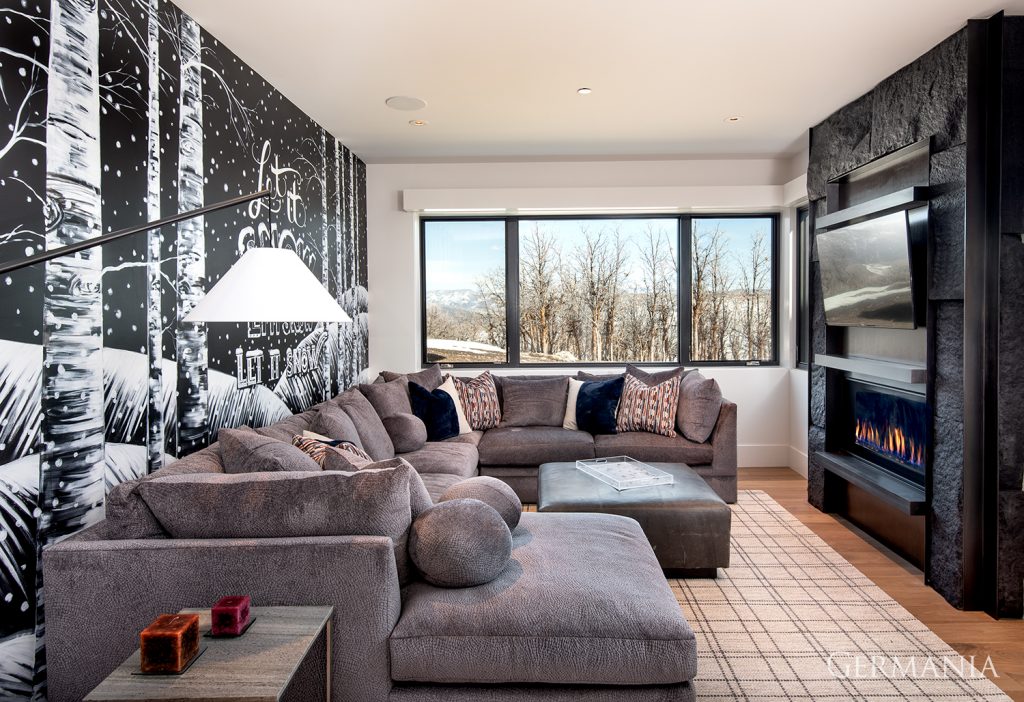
[
  {"x": 570, "y": 405},
  {"x": 448, "y": 386}
]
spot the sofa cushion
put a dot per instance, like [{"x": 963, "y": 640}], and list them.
[
  {"x": 700, "y": 401},
  {"x": 531, "y": 446},
  {"x": 583, "y": 601},
  {"x": 430, "y": 378},
  {"x": 460, "y": 543},
  {"x": 596, "y": 405},
  {"x": 644, "y": 446},
  {"x": 648, "y": 407},
  {"x": 436, "y": 409},
  {"x": 290, "y": 426},
  {"x": 490, "y": 491},
  {"x": 472, "y": 438},
  {"x": 657, "y": 377},
  {"x": 407, "y": 432},
  {"x": 372, "y": 434},
  {"x": 346, "y": 456},
  {"x": 335, "y": 424},
  {"x": 245, "y": 451},
  {"x": 128, "y": 516},
  {"x": 285, "y": 504},
  {"x": 534, "y": 403},
  {"x": 437, "y": 483},
  {"x": 448, "y": 457},
  {"x": 479, "y": 398},
  {"x": 388, "y": 398}
]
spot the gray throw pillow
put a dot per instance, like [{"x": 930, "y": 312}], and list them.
[
  {"x": 372, "y": 434},
  {"x": 332, "y": 422},
  {"x": 534, "y": 403},
  {"x": 388, "y": 398},
  {"x": 429, "y": 378},
  {"x": 269, "y": 505},
  {"x": 460, "y": 543},
  {"x": 245, "y": 451},
  {"x": 419, "y": 497},
  {"x": 583, "y": 375},
  {"x": 491, "y": 491},
  {"x": 407, "y": 431},
  {"x": 700, "y": 401}
]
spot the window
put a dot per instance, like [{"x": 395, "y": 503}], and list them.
[
  {"x": 464, "y": 275},
  {"x": 598, "y": 290},
  {"x": 732, "y": 289},
  {"x": 803, "y": 304},
  {"x": 590, "y": 290}
]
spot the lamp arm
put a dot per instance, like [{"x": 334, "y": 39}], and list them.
[{"x": 122, "y": 233}]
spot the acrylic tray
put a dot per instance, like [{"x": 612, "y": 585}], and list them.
[{"x": 624, "y": 473}]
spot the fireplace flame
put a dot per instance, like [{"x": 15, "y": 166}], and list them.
[{"x": 890, "y": 441}]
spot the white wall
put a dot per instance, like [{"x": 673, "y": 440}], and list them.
[{"x": 763, "y": 394}]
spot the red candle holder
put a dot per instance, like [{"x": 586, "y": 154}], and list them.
[{"x": 230, "y": 616}]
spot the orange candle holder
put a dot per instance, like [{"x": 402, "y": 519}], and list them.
[{"x": 170, "y": 643}]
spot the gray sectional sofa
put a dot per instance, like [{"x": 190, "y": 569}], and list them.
[{"x": 582, "y": 611}]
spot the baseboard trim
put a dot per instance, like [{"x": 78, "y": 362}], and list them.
[
  {"x": 762, "y": 455},
  {"x": 798, "y": 460}
]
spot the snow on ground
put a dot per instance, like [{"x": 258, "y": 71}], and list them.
[{"x": 463, "y": 347}]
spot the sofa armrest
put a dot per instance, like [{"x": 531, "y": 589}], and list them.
[
  {"x": 101, "y": 593},
  {"x": 723, "y": 441}
]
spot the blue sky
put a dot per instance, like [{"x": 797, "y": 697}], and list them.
[{"x": 458, "y": 253}]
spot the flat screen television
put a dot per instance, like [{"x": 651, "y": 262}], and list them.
[{"x": 866, "y": 274}]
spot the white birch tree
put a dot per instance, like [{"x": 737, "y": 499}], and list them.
[
  {"x": 154, "y": 410},
  {"x": 72, "y": 467},
  {"x": 191, "y": 250}
]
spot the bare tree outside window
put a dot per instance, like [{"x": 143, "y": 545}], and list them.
[
  {"x": 598, "y": 290},
  {"x": 731, "y": 289}
]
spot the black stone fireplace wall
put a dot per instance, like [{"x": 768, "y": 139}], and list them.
[{"x": 928, "y": 99}]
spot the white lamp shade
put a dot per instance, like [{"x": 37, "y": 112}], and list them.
[{"x": 268, "y": 285}]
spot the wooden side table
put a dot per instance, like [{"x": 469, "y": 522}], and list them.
[{"x": 285, "y": 649}]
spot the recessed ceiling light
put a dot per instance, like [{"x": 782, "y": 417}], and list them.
[
  {"x": 733, "y": 120},
  {"x": 584, "y": 91},
  {"x": 418, "y": 122},
  {"x": 405, "y": 103}
]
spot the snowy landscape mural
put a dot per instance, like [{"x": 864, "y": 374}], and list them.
[{"x": 118, "y": 112}]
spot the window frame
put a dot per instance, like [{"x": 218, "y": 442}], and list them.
[
  {"x": 801, "y": 278},
  {"x": 684, "y": 248}
]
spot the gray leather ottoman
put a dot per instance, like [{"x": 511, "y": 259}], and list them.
[{"x": 686, "y": 523}]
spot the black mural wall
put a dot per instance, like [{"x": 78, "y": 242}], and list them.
[
  {"x": 928, "y": 100},
  {"x": 115, "y": 114}
]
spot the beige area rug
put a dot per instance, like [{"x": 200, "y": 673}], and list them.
[{"x": 791, "y": 619}]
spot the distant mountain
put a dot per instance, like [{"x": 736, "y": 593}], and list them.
[{"x": 463, "y": 299}]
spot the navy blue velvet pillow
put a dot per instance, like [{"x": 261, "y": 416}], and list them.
[
  {"x": 596, "y": 403},
  {"x": 436, "y": 409}
]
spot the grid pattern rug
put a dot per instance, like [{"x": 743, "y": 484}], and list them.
[{"x": 791, "y": 619}]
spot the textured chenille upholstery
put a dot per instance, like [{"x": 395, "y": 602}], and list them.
[
  {"x": 452, "y": 457},
  {"x": 531, "y": 446},
  {"x": 100, "y": 594},
  {"x": 491, "y": 491},
  {"x": 460, "y": 543},
  {"x": 407, "y": 431},
  {"x": 583, "y": 601}
]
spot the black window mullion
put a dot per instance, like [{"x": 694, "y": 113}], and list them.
[
  {"x": 512, "y": 289},
  {"x": 685, "y": 294}
]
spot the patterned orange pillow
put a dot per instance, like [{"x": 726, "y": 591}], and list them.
[
  {"x": 648, "y": 408},
  {"x": 479, "y": 398}
]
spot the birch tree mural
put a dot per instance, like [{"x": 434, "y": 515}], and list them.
[
  {"x": 191, "y": 338},
  {"x": 110, "y": 124},
  {"x": 71, "y": 472},
  {"x": 154, "y": 328}
]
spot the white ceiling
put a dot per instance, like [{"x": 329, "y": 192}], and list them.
[{"x": 500, "y": 77}]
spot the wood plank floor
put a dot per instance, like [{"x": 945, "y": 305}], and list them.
[{"x": 969, "y": 633}]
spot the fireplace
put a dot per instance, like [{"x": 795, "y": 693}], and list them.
[{"x": 889, "y": 428}]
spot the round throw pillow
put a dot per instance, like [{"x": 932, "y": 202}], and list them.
[
  {"x": 460, "y": 543},
  {"x": 491, "y": 491},
  {"x": 407, "y": 431}
]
